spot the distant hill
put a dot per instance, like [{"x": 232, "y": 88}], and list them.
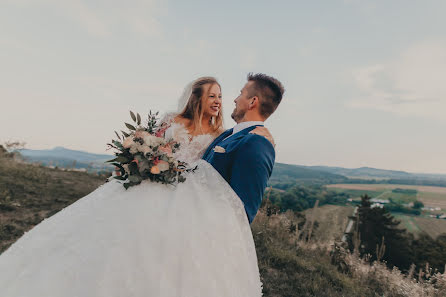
[
  {"x": 374, "y": 173},
  {"x": 63, "y": 157},
  {"x": 282, "y": 173},
  {"x": 364, "y": 172},
  {"x": 287, "y": 173}
]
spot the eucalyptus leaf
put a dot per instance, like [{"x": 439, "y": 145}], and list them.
[
  {"x": 138, "y": 118},
  {"x": 133, "y": 116},
  {"x": 119, "y": 137},
  {"x": 112, "y": 160},
  {"x": 130, "y": 126},
  {"x": 122, "y": 159},
  {"x": 125, "y": 134},
  {"x": 118, "y": 144}
]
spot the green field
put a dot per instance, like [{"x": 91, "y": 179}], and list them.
[
  {"x": 414, "y": 224},
  {"x": 430, "y": 196},
  {"x": 332, "y": 220},
  {"x": 356, "y": 194}
]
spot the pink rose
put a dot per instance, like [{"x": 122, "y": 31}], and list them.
[
  {"x": 141, "y": 134},
  {"x": 128, "y": 141},
  {"x": 166, "y": 149}
]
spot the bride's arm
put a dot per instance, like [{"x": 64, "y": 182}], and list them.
[{"x": 262, "y": 131}]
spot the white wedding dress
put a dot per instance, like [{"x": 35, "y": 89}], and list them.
[{"x": 151, "y": 240}]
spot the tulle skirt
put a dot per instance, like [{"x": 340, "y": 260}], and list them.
[{"x": 153, "y": 240}]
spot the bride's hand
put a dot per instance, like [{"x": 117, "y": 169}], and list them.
[{"x": 262, "y": 131}]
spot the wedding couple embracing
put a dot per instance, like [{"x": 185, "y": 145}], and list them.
[{"x": 187, "y": 240}]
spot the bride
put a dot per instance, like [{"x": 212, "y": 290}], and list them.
[{"x": 156, "y": 240}]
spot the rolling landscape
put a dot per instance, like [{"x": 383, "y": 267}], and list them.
[
  {"x": 377, "y": 183},
  {"x": 298, "y": 231}
]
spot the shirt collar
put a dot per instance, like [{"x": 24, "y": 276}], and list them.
[{"x": 243, "y": 125}]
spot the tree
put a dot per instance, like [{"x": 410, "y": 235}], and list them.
[
  {"x": 378, "y": 228},
  {"x": 418, "y": 205}
]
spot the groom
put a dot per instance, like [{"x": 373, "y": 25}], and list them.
[{"x": 245, "y": 160}]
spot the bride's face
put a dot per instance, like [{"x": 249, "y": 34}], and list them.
[{"x": 211, "y": 102}]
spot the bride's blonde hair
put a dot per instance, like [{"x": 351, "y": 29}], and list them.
[{"x": 194, "y": 108}]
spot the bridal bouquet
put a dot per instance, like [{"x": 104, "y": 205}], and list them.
[{"x": 143, "y": 153}]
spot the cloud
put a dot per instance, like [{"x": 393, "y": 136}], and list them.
[
  {"x": 410, "y": 85},
  {"x": 102, "y": 18}
]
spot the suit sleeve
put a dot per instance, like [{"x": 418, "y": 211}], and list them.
[{"x": 252, "y": 167}]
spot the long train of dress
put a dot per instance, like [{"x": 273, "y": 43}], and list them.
[{"x": 150, "y": 240}]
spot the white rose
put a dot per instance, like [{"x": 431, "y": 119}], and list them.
[
  {"x": 153, "y": 140},
  {"x": 146, "y": 149},
  {"x": 135, "y": 148}
]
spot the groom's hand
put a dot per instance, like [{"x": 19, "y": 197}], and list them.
[{"x": 262, "y": 131}]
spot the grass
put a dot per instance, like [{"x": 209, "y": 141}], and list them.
[
  {"x": 408, "y": 223},
  {"x": 397, "y": 197},
  {"x": 356, "y": 194},
  {"x": 431, "y": 226},
  {"x": 331, "y": 222},
  {"x": 290, "y": 267}
]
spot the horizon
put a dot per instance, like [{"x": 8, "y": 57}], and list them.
[
  {"x": 363, "y": 79},
  {"x": 320, "y": 165}
]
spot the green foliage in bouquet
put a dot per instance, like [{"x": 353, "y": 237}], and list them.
[{"x": 143, "y": 153}]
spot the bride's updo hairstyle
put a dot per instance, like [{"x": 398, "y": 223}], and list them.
[{"x": 194, "y": 110}]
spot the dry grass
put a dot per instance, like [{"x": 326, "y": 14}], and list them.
[
  {"x": 331, "y": 221},
  {"x": 289, "y": 266},
  {"x": 392, "y": 282}
]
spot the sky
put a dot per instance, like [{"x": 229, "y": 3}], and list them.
[{"x": 365, "y": 80}]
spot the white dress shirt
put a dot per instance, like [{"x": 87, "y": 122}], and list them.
[{"x": 243, "y": 125}]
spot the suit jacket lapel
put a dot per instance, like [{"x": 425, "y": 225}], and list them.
[{"x": 217, "y": 140}]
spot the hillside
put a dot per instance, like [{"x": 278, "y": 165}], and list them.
[
  {"x": 282, "y": 173},
  {"x": 392, "y": 176},
  {"x": 67, "y": 158},
  {"x": 287, "y": 172},
  {"x": 30, "y": 193}
]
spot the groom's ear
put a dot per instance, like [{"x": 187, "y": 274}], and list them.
[{"x": 253, "y": 102}]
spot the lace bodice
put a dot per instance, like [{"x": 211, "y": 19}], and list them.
[{"x": 192, "y": 148}]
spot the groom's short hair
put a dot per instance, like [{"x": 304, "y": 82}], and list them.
[{"x": 268, "y": 89}]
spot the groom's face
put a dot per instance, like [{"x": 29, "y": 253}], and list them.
[{"x": 241, "y": 103}]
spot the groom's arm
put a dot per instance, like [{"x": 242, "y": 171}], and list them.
[{"x": 252, "y": 167}]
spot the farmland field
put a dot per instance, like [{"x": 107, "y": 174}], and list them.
[
  {"x": 430, "y": 196},
  {"x": 332, "y": 220},
  {"x": 415, "y": 224}
]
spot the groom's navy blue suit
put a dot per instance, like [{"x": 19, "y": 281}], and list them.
[{"x": 246, "y": 164}]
